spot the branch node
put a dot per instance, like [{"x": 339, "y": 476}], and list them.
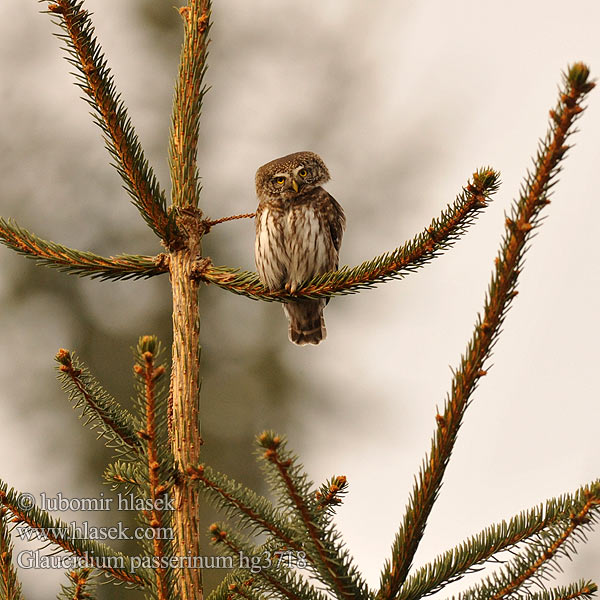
[
  {"x": 200, "y": 267},
  {"x": 195, "y": 473},
  {"x": 162, "y": 261}
]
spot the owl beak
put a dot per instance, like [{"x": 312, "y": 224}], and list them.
[{"x": 295, "y": 185}]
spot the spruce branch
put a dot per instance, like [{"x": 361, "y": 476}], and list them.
[
  {"x": 240, "y": 590},
  {"x": 10, "y": 588},
  {"x": 531, "y": 564},
  {"x": 423, "y": 248},
  {"x": 299, "y": 524},
  {"x": 236, "y": 500},
  {"x": 524, "y": 218},
  {"x": 235, "y": 584},
  {"x": 323, "y": 548},
  {"x": 270, "y": 572},
  {"x": 439, "y": 236},
  {"x": 149, "y": 372},
  {"x": 81, "y": 584},
  {"x": 95, "y": 79},
  {"x": 582, "y": 589},
  {"x": 187, "y": 105},
  {"x": 122, "y": 473},
  {"x": 77, "y": 262},
  {"x": 453, "y": 564},
  {"x": 57, "y": 532},
  {"x": 329, "y": 496},
  {"x": 102, "y": 412}
]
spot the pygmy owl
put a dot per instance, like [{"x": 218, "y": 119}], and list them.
[{"x": 299, "y": 229}]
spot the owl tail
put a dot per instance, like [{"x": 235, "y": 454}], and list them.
[{"x": 307, "y": 325}]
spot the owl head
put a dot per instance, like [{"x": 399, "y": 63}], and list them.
[{"x": 291, "y": 175}]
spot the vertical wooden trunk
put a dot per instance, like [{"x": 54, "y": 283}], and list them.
[{"x": 185, "y": 427}]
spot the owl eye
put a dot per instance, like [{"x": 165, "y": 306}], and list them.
[
  {"x": 302, "y": 173},
  {"x": 279, "y": 180}
]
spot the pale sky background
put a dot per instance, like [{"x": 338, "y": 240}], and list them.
[{"x": 403, "y": 100}]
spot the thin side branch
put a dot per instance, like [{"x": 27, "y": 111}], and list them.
[
  {"x": 276, "y": 578},
  {"x": 582, "y": 590},
  {"x": 455, "y": 563},
  {"x": 254, "y": 511},
  {"x": 210, "y": 223},
  {"x": 242, "y": 590},
  {"x": 236, "y": 584},
  {"x": 10, "y": 588},
  {"x": 76, "y": 262},
  {"x": 104, "y": 413},
  {"x": 332, "y": 565},
  {"x": 547, "y": 552},
  {"x": 95, "y": 79},
  {"x": 424, "y": 247},
  {"x": 150, "y": 373},
  {"x": 533, "y": 562},
  {"x": 519, "y": 226},
  {"x": 81, "y": 583},
  {"x": 56, "y": 532},
  {"x": 330, "y": 495},
  {"x": 122, "y": 473}
]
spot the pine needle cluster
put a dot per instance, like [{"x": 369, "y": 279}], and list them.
[{"x": 287, "y": 547}]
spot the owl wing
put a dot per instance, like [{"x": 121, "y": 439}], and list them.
[{"x": 334, "y": 216}]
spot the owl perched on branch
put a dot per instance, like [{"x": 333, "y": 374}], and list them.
[{"x": 299, "y": 229}]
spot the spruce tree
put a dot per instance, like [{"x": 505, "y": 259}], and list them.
[{"x": 288, "y": 546}]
